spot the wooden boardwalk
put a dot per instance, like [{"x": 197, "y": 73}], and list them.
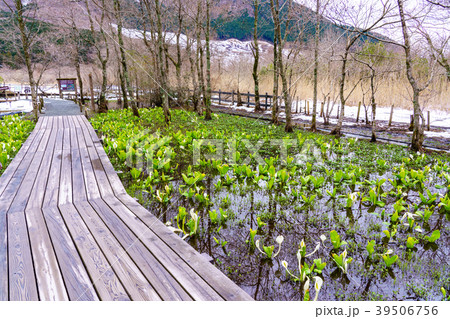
[{"x": 69, "y": 230}]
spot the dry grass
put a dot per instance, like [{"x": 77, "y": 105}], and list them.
[{"x": 239, "y": 75}]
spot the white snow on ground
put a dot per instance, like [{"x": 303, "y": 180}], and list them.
[
  {"x": 438, "y": 118},
  {"x": 16, "y": 106},
  {"x": 21, "y": 88},
  {"x": 438, "y": 134}
]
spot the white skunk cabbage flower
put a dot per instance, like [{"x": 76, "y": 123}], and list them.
[
  {"x": 306, "y": 286},
  {"x": 318, "y": 282},
  {"x": 315, "y": 249},
  {"x": 279, "y": 239},
  {"x": 194, "y": 216}
]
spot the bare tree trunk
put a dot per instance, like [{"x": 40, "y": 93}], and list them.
[
  {"x": 256, "y": 57},
  {"x": 75, "y": 39},
  {"x": 418, "y": 135},
  {"x": 286, "y": 96},
  {"x": 125, "y": 77},
  {"x": 163, "y": 71},
  {"x": 275, "y": 104},
  {"x": 374, "y": 106},
  {"x": 208, "y": 62},
  {"x": 316, "y": 66},
  {"x": 195, "y": 93},
  {"x": 102, "y": 104},
  {"x": 338, "y": 127},
  {"x": 199, "y": 58},
  {"x": 26, "y": 46}
]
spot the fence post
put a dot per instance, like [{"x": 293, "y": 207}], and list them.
[
  {"x": 428, "y": 115},
  {"x": 390, "y": 116},
  {"x": 307, "y": 107},
  {"x": 220, "y": 97},
  {"x": 266, "y": 101},
  {"x": 357, "y": 114},
  {"x": 232, "y": 98},
  {"x": 248, "y": 99},
  {"x": 91, "y": 87}
]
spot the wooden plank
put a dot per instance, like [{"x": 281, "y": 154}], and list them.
[
  {"x": 107, "y": 284},
  {"x": 76, "y": 278},
  {"x": 19, "y": 168},
  {"x": 191, "y": 282},
  {"x": 163, "y": 282},
  {"x": 222, "y": 284},
  {"x": 132, "y": 278},
  {"x": 49, "y": 278},
  {"x": 22, "y": 280}
]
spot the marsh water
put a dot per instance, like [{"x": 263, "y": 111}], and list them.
[{"x": 418, "y": 274}]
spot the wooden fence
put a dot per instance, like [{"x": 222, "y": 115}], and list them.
[{"x": 248, "y": 98}]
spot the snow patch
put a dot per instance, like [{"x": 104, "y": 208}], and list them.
[{"x": 16, "y": 106}]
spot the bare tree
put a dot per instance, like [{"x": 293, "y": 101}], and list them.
[
  {"x": 255, "y": 51},
  {"x": 418, "y": 135},
  {"x": 102, "y": 49},
  {"x": 124, "y": 76},
  {"x": 27, "y": 37},
  {"x": 275, "y": 8},
  {"x": 365, "y": 19},
  {"x": 320, "y": 8},
  {"x": 208, "y": 61},
  {"x": 373, "y": 56}
]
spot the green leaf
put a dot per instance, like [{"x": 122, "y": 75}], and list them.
[
  {"x": 411, "y": 241},
  {"x": 389, "y": 260},
  {"x": 434, "y": 236},
  {"x": 335, "y": 239},
  {"x": 370, "y": 247}
]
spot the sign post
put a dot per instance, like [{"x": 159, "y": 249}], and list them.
[{"x": 68, "y": 84}]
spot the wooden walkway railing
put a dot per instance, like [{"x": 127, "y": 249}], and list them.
[{"x": 69, "y": 230}]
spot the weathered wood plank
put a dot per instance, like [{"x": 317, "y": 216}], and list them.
[
  {"x": 19, "y": 167},
  {"x": 218, "y": 281},
  {"x": 73, "y": 233},
  {"x": 76, "y": 278},
  {"x": 49, "y": 278},
  {"x": 162, "y": 281},
  {"x": 22, "y": 280},
  {"x": 107, "y": 284},
  {"x": 191, "y": 282},
  {"x": 132, "y": 278}
]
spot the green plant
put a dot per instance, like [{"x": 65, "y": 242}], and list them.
[
  {"x": 374, "y": 198},
  {"x": 389, "y": 260},
  {"x": 370, "y": 247},
  {"x": 342, "y": 261},
  {"x": 445, "y": 203},
  {"x": 351, "y": 199},
  {"x": 220, "y": 242},
  {"x": 410, "y": 242},
  {"x": 434, "y": 236},
  {"x": 336, "y": 240},
  {"x": 320, "y": 266},
  {"x": 267, "y": 251},
  {"x": 252, "y": 237},
  {"x": 428, "y": 201}
]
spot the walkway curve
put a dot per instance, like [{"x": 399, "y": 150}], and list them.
[{"x": 69, "y": 230}]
